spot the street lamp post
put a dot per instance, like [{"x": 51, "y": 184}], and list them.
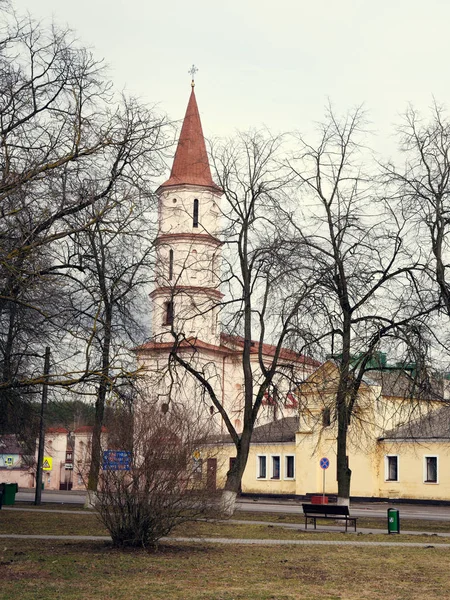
[{"x": 40, "y": 459}]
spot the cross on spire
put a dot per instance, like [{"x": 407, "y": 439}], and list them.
[{"x": 192, "y": 71}]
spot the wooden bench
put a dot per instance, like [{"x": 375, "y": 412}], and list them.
[{"x": 325, "y": 511}]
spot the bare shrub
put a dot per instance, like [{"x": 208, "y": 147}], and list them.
[{"x": 164, "y": 485}]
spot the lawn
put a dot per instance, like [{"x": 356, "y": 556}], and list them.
[
  {"x": 46, "y": 569},
  {"x": 43, "y": 570},
  {"x": 87, "y": 523}
]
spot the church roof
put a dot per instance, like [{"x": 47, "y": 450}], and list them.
[
  {"x": 230, "y": 344},
  {"x": 237, "y": 342},
  {"x": 191, "y": 165}
]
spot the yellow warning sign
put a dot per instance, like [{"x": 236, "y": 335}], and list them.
[{"x": 47, "y": 463}]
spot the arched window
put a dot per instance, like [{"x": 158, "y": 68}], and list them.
[
  {"x": 195, "y": 214},
  {"x": 194, "y": 264},
  {"x": 170, "y": 265}
]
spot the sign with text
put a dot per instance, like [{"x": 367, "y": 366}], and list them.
[{"x": 116, "y": 460}]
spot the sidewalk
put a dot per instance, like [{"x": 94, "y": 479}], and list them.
[
  {"x": 293, "y": 526},
  {"x": 230, "y": 541}
]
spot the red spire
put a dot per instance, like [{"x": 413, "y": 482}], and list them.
[{"x": 190, "y": 165}]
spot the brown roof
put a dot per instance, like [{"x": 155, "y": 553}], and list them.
[
  {"x": 51, "y": 430},
  {"x": 283, "y": 430},
  {"x": 435, "y": 425},
  {"x": 191, "y": 165},
  {"x": 192, "y": 343},
  {"x": 230, "y": 344},
  {"x": 268, "y": 349},
  {"x": 403, "y": 384}
]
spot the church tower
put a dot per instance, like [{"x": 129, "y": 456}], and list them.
[{"x": 188, "y": 262}]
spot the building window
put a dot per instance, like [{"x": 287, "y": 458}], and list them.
[
  {"x": 391, "y": 468},
  {"x": 275, "y": 467},
  {"x": 195, "y": 214},
  {"x": 170, "y": 265},
  {"x": 262, "y": 467},
  {"x": 194, "y": 264},
  {"x": 431, "y": 469},
  {"x": 289, "y": 466},
  {"x": 326, "y": 417},
  {"x": 168, "y": 313}
]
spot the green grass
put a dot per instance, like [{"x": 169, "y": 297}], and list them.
[{"x": 47, "y": 570}]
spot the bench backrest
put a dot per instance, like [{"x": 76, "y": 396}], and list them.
[{"x": 326, "y": 509}]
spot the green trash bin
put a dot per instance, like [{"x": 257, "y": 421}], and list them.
[
  {"x": 9, "y": 493},
  {"x": 393, "y": 516}
]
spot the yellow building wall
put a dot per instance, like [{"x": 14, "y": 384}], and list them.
[
  {"x": 411, "y": 470},
  {"x": 368, "y": 468},
  {"x": 251, "y": 484},
  {"x": 367, "y": 456},
  {"x": 311, "y": 448}
]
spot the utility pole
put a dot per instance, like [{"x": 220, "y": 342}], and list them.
[{"x": 40, "y": 459}]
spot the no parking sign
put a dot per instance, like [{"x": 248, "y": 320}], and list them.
[{"x": 324, "y": 463}]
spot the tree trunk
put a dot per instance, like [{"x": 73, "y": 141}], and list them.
[
  {"x": 234, "y": 475},
  {"x": 100, "y": 407},
  {"x": 342, "y": 409}
]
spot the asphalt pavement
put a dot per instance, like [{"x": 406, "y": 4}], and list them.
[{"x": 366, "y": 509}]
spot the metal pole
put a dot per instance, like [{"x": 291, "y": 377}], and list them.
[
  {"x": 40, "y": 459},
  {"x": 323, "y": 486}
]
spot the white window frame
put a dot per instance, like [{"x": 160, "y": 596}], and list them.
[
  {"x": 425, "y": 469},
  {"x": 272, "y": 456},
  {"x": 258, "y": 456},
  {"x": 386, "y": 468},
  {"x": 285, "y": 461}
]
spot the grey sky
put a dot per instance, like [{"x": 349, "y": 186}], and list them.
[{"x": 271, "y": 63}]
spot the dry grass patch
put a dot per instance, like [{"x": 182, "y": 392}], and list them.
[
  {"x": 44, "y": 523},
  {"x": 74, "y": 570}
]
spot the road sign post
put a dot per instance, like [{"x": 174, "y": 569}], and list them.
[{"x": 324, "y": 464}]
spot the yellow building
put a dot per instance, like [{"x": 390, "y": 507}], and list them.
[{"x": 398, "y": 445}]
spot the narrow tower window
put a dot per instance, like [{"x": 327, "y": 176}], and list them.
[
  {"x": 168, "y": 306},
  {"x": 195, "y": 214},
  {"x": 170, "y": 265}
]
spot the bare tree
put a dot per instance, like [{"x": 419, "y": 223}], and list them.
[
  {"x": 107, "y": 299},
  {"x": 264, "y": 288},
  {"x": 421, "y": 190},
  {"x": 68, "y": 146},
  {"x": 355, "y": 241}
]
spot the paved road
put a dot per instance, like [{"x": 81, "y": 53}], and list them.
[
  {"x": 52, "y": 496},
  {"x": 376, "y": 509}
]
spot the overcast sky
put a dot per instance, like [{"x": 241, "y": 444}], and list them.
[{"x": 268, "y": 63}]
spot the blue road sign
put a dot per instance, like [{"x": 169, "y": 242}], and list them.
[
  {"x": 324, "y": 463},
  {"x": 116, "y": 460}
]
